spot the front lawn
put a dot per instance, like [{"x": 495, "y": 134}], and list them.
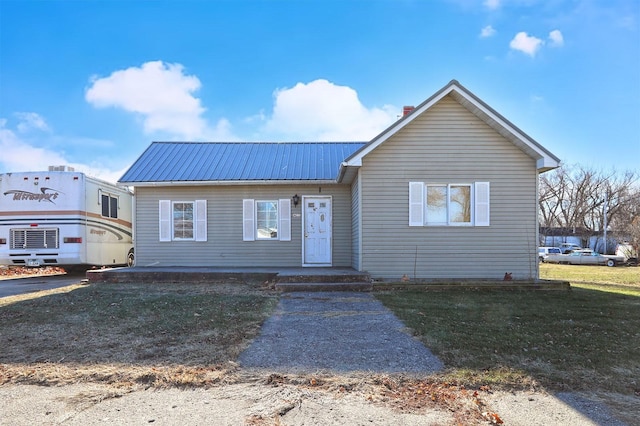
[
  {"x": 120, "y": 332},
  {"x": 583, "y": 339}
]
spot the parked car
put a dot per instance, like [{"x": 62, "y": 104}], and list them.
[
  {"x": 569, "y": 247},
  {"x": 543, "y": 252},
  {"x": 585, "y": 257}
]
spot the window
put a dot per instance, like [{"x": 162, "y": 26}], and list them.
[
  {"x": 266, "y": 220},
  {"x": 183, "y": 220},
  {"x": 449, "y": 204},
  {"x": 109, "y": 205}
]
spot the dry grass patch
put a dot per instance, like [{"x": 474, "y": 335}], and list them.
[{"x": 158, "y": 334}]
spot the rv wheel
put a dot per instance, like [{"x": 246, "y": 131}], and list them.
[{"x": 130, "y": 258}]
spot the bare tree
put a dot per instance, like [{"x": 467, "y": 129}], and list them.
[{"x": 580, "y": 200}]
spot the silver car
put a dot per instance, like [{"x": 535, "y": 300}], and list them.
[{"x": 584, "y": 257}]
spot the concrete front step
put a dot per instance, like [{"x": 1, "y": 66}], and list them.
[
  {"x": 338, "y": 276},
  {"x": 287, "y": 287}
]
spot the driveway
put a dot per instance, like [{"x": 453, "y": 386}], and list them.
[
  {"x": 15, "y": 286},
  {"x": 339, "y": 332}
]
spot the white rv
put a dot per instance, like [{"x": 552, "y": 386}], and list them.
[{"x": 64, "y": 218}]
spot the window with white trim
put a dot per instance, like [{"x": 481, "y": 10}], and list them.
[
  {"x": 183, "y": 220},
  {"x": 454, "y": 204},
  {"x": 266, "y": 220}
]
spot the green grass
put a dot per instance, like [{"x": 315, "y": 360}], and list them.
[
  {"x": 582, "y": 339},
  {"x": 620, "y": 276}
]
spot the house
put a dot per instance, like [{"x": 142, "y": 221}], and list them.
[{"x": 449, "y": 191}]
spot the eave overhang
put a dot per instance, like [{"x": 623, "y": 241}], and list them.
[{"x": 228, "y": 183}]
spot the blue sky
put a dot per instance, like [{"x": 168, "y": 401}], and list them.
[{"x": 92, "y": 83}]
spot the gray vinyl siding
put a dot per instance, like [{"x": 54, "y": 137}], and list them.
[
  {"x": 355, "y": 224},
  {"x": 448, "y": 144},
  {"x": 224, "y": 246}
]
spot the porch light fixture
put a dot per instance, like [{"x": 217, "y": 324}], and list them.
[{"x": 296, "y": 200}]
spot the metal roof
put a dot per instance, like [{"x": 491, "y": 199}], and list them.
[{"x": 239, "y": 161}]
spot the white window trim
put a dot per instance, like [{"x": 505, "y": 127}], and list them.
[
  {"x": 165, "y": 214},
  {"x": 480, "y": 204},
  {"x": 250, "y": 220},
  {"x": 258, "y": 237},
  {"x": 173, "y": 231}
]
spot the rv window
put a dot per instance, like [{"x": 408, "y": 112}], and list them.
[
  {"x": 114, "y": 207},
  {"x": 105, "y": 205},
  {"x": 109, "y": 206}
]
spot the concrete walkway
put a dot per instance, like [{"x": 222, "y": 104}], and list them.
[{"x": 339, "y": 332}]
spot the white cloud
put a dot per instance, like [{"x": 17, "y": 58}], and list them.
[
  {"x": 487, "y": 31},
  {"x": 492, "y": 4},
  {"x": 18, "y": 155},
  {"x": 31, "y": 121},
  {"x": 556, "y": 38},
  {"x": 162, "y": 95},
  {"x": 21, "y": 155},
  {"x": 324, "y": 111},
  {"x": 526, "y": 43}
]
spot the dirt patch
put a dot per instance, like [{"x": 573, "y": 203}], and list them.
[{"x": 9, "y": 272}]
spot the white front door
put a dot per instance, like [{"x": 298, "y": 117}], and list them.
[{"x": 317, "y": 231}]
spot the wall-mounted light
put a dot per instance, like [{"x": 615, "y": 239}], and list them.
[{"x": 296, "y": 200}]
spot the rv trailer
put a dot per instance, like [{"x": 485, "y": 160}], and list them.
[{"x": 64, "y": 218}]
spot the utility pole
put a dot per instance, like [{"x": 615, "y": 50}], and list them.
[{"x": 606, "y": 202}]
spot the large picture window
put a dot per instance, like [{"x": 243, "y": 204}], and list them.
[
  {"x": 448, "y": 204},
  {"x": 460, "y": 204}
]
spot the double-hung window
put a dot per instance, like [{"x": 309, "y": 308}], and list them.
[
  {"x": 266, "y": 220},
  {"x": 183, "y": 220},
  {"x": 182, "y": 216},
  {"x": 451, "y": 204}
]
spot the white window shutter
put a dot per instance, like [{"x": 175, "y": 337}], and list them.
[
  {"x": 201, "y": 220},
  {"x": 284, "y": 217},
  {"x": 482, "y": 210},
  {"x": 248, "y": 228},
  {"x": 164, "y": 213},
  {"x": 416, "y": 204}
]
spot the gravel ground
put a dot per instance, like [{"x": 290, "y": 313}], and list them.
[{"x": 312, "y": 332}]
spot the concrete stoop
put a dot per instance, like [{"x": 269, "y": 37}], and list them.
[
  {"x": 286, "y": 279},
  {"x": 318, "y": 280},
  {"x": 287, "y": 287}
]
